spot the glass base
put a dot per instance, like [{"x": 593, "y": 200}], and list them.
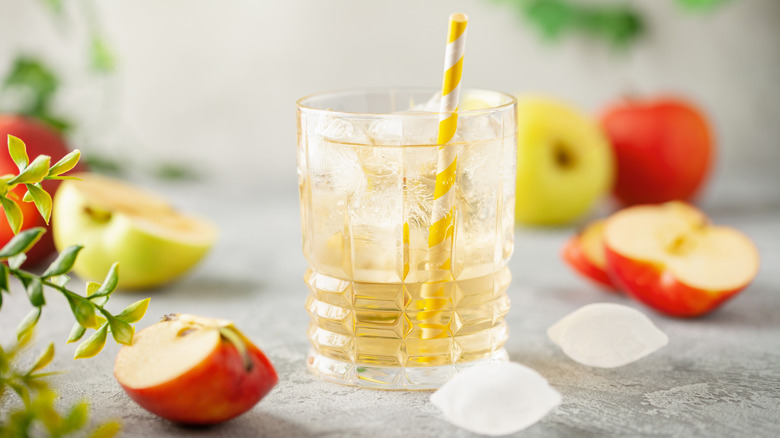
[{"x": 394, "y": 378}]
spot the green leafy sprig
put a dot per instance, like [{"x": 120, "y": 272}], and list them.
[
  {"x": 31, "y": 175},
  {"x": 35, "y": 85},
  {"x": 38, "y": 399},
  {"x": 30, "y": 384},
  {"x": 620, "y": 24},
  {"x": 88, "y": 310}
]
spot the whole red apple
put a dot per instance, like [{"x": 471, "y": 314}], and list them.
[
  {"x": 672, "y": 259},
  {"x": 40, "y": 140},
  {"x": 664, "y": 150},
  {"x": 194, "y": 370}
]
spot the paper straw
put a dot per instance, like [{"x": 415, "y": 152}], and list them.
[
  {"x": 444, "y": 198},
  {"x": 440, "y": 232}
]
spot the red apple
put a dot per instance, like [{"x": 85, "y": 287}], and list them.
[
  {"x": 669, "y": 257},
  {"x": 194, "y": 370},
  {"x": 664, "y": 150},
  {"x": 585, "y": 253},
  {"x": 40, "y": 140}
]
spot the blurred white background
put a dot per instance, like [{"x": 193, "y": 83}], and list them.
[{"x": 213, "y": 84}]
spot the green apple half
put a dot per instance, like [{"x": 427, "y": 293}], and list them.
[
  {"x": 564, "y": 162},
  {"x": 116, "y": 222}
]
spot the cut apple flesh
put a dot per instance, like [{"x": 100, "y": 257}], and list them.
[
  {"x": 107, "y": 196},
  {"x": 163, "y": 352},
  {"x": 677, "y": 238},
  {"x": 592, "y": 242}
]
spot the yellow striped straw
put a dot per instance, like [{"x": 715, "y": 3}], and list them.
[
  {"x": 442, "y": 219},
  {"x": 433, "y": 322}
]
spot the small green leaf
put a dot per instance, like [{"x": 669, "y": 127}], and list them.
[
  {"x": 13, "y": 213},
  {"x": 16, "y": 261},
  {"x": 64, "y": 261},
  {"x": 28, "y": 323},
  {"x": 83, "y": 310},
  {"x": 18, "y": 151},
  {"x": 62, "y": 178},
  {"x": 109, "y": 284},
  {"x": 35, "y": 172},
  {"x": 106, "y": 430},
  {"x": 44, "y": 359},
  {"x": 21, "y": 242},
  {"x": 3, "y": 279},
  {"x": 93, "y": 344},
  {"x": 35, "y": 292},
  {"x": 135, "y": 311},
  {"x": 67, "y": 163},
  {"x": 42, "y": 200},
  {"x": 76, "y": 333},
  {"x": 120, "y": 330},
  {"x": 92, "y": 287},
  {"x": 76, "y": 418},
  {"x": 102, "y": 58},
  {"x": 59, "y": 280},
  {"x": 27, "y": 197}
]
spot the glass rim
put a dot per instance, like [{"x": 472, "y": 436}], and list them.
[{"x": 302, "y": 106}]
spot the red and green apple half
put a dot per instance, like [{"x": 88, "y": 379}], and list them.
[
  {"x": 584, "y": 252},
  {"x": 672, "y": 259},
  {"x": 194, "y": 370}
]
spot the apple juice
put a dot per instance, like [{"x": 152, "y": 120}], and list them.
[{"x": 386, "y": 310}]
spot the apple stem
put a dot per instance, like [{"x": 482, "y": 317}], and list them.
[{"x": 232, "y": 336}]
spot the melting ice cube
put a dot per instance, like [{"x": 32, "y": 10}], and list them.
[
  {"x": 496, "y": 399},
  {"x": 606, "y": 335},
  {"x": 340, "y": 130}
]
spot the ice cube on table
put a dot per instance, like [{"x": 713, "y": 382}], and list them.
[
  {"x": 606, "y": 335},
  {"x": 496, "y": 399}
]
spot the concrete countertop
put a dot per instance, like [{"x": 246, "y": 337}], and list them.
[{"x": 718, "y": 377}]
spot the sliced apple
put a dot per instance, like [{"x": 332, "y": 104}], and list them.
[
  {"x": 115, "y": 221},
  {"x": 585, "y": 253},
  {"x": 194, "y": 370},
  {"x": 669, "y": 257}
]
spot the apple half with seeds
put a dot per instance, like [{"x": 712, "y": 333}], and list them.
[
  {"x": 194, "y": 370},
  {"x": 118, "y": 222},
  {"x": 584, "y": 252},
  {"x": 671, "y": 258}
]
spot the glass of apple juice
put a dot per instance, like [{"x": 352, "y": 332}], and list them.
[{"x": 388, "y": 308}]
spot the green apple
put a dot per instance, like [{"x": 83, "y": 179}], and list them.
[
  {"x": 117, "y": 222},
  {"x": 564, "y": 162}
]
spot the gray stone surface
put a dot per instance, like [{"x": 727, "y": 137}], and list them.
[{"x": 718, "y": 377}]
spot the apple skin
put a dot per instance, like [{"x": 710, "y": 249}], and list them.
[
  {"x": 40, "y": 140},
  {"x": 564, "y": 162},
  {"x": 664, "y": 150},
  {"x": 650, "y": 284},
  {"x": 574, "y": 255},
  {"x": 216, "y": 390}
]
